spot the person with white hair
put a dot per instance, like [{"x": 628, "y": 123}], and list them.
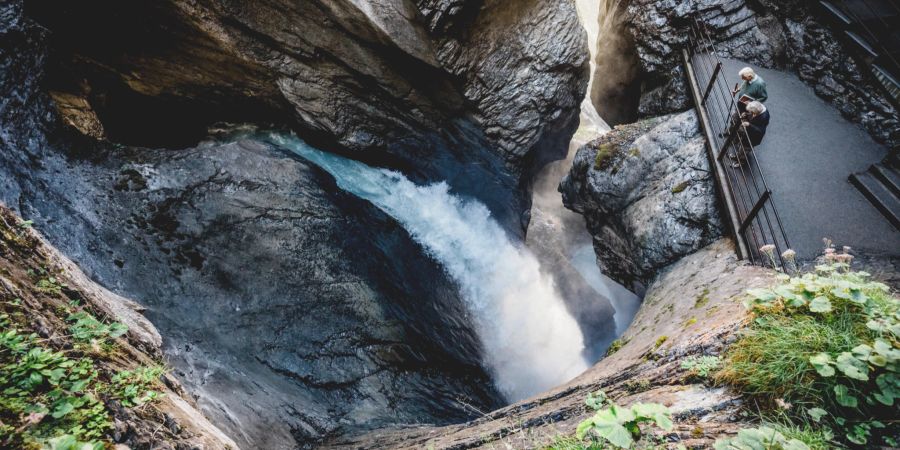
[
  {"x": 753, "y": 88},
  {"x": 755, "y": 122}
]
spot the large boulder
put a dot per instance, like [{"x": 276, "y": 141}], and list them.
[{"x": 647, "y": 194}]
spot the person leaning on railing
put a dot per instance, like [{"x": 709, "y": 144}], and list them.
[
  {"x": 755, "y": 121},
  {"x": 753, "y": 88}
]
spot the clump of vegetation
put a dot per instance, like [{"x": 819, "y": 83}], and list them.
[
  {"x": 616, "y": 346},
  {"x": 660, "y": 341},
  {"x": 635, "y": 386},
  {"x": 84, "y": 327},
  {"x": 826, "y": 345},
  {"x": 760, "y": 438},
  {"x": 616, "y": 426},
  {"x": 680, "y": 187},
  {"x": 138, "y": 386},
  {"x": 46, "y": 394},
  {"x": 701, "y": 366},
  {"x": 58, "y": 392},
  {"x": 702, "y": 299},
  {"x": 605, "y": 154}
]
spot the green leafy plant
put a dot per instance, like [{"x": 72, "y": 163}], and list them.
[
  {"x": 701, "y": 366},
  {"x": 138, "y": 386},
  {"x": 762, "y": 438},
  {"x": 828, "y": 341},
  {"x": 84, "y": 327},
  {"x": 47, "y": 393},
  {"x": 50, "y": 285},
  {"x": 620, "y": 426}
]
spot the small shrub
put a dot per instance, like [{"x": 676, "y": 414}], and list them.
[
  {"x": 620, "y": 426},
  {"x": 138, "y": 386},
  {"x": 615, "y": 346},
  {"x": 701, "y": 366},
  {"x": 84, "y": 327},
  {"x": 660, "y": 341},
  {"x": 46, "y": 394}
]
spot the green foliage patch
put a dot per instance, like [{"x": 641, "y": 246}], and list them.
[{"x": 829, "y": 343}]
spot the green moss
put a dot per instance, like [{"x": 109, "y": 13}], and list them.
[
  {"x": 616, "y": 346},
  {"x": 690, "y": 322},
  {"x": 636, "y": 386},
  {"x": 680, "y": 187},
  {"x": 660, "y": 341},
  {"x": 702, "y": 299},
  {"x": 634, "y": 152},
  {"x": 605, "y": 154}
]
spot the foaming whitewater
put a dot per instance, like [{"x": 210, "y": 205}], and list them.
[{"x": 531, "y": 342}]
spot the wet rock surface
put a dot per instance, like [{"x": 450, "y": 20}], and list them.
[
  {"x": 775, "y": 34},
  {"x": 288, "y": 308},
  {"x": 647, "y": 195},
  {"x": 428, "y": 86}
]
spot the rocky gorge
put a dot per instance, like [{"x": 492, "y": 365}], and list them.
[{"x": 330, "y": 219}]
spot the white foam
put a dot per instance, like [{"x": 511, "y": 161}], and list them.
[{"x": 531, "y": 342}]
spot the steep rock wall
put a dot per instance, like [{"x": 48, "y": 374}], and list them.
[
  {"x": 425, "y": 86},
  {"x": 779, "y": 34},
  {"x": 289, "y": 308}
]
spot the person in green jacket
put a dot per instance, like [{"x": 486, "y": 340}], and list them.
[{"x": 753, "y": 86}]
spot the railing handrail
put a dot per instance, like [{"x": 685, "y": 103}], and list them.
[{"x": 757, "y": 223}]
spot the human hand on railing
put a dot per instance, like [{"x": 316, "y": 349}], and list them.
[{"x": 745, "y": 124}]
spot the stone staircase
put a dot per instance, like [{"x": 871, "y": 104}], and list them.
[
  {"x": 872, "y": 28},
  {"x": 881, "y": 185}
]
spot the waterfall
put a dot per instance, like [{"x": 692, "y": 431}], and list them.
[{"x": 530, "y": 340}]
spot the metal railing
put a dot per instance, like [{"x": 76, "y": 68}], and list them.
[{"x": 753, "y": 218}]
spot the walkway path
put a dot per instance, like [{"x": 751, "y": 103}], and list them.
[{"x": 807, "y": 154}]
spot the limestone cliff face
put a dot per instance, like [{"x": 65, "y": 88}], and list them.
[
  {"x": 647, "y": 195},
  {"x": 780, "y": 34},
  {"x": 690, "y": 309},
  {"x": 425, "y": 86}
]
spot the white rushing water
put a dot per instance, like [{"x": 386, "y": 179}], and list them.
[{"x": 531, "y": 342}]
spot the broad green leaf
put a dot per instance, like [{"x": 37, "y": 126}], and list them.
[
  {"x": 615, "y": 433},
  {"x": 857, "y": 296},
  {"x": 62, "y": 409},
  {"x": 878, "y": 360},
  {"x": 822, "y": 363},
  {"x": 852, "y": 367},
  {"x": 820, "y": 305},
  {"x": 883, "y": 399},
  {"x": 861, "y": 351},
  {"x": 816, "y": 414},
  {"x": 584, "y": 427},
  {"x": 843, "y": 396}
]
